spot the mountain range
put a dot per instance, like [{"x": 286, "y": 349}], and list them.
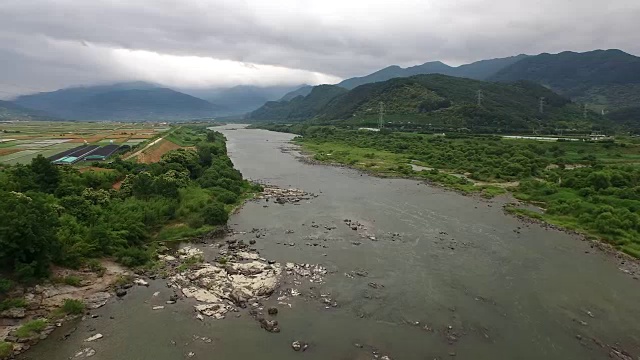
[
  {"x": 125, "y": 101},
  {"x": 605, "y": 80},
  {"x": 240, "y": 99},
  {"x": 435, "y": 100},
  {"x": 11, "y": 111},
  {"x": 480, "y": 70}
]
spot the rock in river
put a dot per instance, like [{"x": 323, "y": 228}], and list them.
[
  {"x": 94, "y": 338},
  {"x": 299, "y": 345},
  {"x": 97, "y": 300}
]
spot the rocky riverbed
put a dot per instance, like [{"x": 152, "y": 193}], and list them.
[{"x": 42, "y": 303}]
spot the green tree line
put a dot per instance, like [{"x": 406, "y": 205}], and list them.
[{"x": 55, "y": 214}]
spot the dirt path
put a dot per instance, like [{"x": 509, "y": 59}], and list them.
[
  {"x": 155, "y": 153},
  {"x": 137, "y": 153}
]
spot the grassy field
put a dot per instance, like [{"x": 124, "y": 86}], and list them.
[{"x": 22, "y": 141}]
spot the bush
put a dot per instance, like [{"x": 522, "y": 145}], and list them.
[
  {"x": 224, "y": 196},
  {"x": 132, "y": 257},
  {"x": 5, "y": 285},
  {"x": 7, "y": 304},
  {"x": 73, "y": 307},
  {"x": 31, "y": 328},
  {"x": 215, "y": 214},
  {"x": 6, "y": 350}
]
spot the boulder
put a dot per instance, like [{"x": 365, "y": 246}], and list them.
[
  {"x": 272, "y": 311},
  {"x": 141, "y": 282},
  {"x": 269, "y": 325},
  {"x": 296, "y": 345},
  {"x": 299, "y": 345},
  {"x": 121, "y": 292}
]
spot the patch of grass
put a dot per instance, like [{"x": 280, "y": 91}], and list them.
[
  {"x": 524, "y": 212},
  {"x": 70, "y": 280},
  {"x": 73, "y": 307},
  {"x": 492, "y": 191},
  {"x": 7, "y": 304},
  {"x": 191, "y": 262},
  {"x": 73, "y": 280},
  {"x": 123, "y": 280},
  {"x": 6, "y": 350},
  {"x": 31, "y": 328},
  {"x": 95, "y": 266},
  {"x": 182, "y": 232}
]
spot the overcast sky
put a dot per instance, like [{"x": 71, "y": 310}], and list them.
[{"x": 48, "y": 44}]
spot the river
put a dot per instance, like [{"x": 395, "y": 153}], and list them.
[{"x": 484, "y": 284}]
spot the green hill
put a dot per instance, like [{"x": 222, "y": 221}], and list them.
[
  {"x": 304, "y": 90},
  {"x": 436, "y": 102},
  {"x": 300, "y": 107},
  {"x": 601, "y": 78},
  {"x": 629, "y": 117}
]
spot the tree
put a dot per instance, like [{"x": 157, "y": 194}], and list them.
[
  {"x": 599, "y": 180},
  {"x": 46, "y": 175},
  {"x": 27, "y": 233}
]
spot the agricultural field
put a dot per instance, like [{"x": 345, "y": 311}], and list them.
[{"x": 21, "y": 141}]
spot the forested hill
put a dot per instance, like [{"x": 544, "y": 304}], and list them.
[
  {"x": 125, "y": 101},
  {"x": 601, "y": 78},
  {"x": 479, "y": 70},
  {"x": 300, "y": 107},
  {"x": 437, "y": 101}
]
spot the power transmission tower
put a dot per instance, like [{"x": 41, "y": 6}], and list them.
[
  {"x": 542, "y": 105},
  {"x": 381, "y": 117},
  {"x": 584, "y": 111},
  {"x": 480, "y": 97}
]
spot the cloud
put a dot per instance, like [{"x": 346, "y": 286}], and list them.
[{"x": 62, "y": 42}]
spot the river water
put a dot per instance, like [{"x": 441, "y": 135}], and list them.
[{"x": 486, "y": 285}]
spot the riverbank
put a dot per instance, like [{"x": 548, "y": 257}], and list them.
[
  {"x": 595, "y": 194},
  {"x": 44, "y": 307},
  {"x": 386, "y": 168},
  {"x": 82, "y": 241},
  {"x": 415, "y": 271}
]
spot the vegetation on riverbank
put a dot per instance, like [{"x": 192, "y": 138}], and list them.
[
  {"x": 57, "y": 215},
  {"x": 591, "y": 187}
]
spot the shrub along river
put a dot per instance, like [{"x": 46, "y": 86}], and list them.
[{"x": 426, "y": 274}]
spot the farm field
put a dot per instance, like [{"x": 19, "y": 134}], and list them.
[
  {"x": 22, "y": 141},
  {"x": 155, "y": 152}
]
